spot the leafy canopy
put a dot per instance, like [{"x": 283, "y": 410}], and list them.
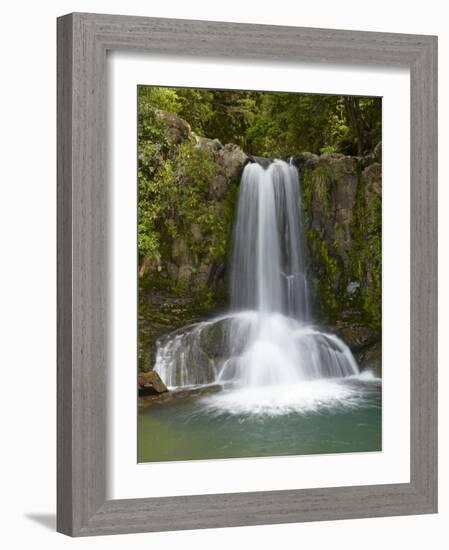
[{"x": 274, "y": 123}]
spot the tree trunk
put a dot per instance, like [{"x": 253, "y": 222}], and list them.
[{"x": 355, "y": 118}]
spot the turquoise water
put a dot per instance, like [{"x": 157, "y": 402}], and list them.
[{"x": 337, "y": 416}]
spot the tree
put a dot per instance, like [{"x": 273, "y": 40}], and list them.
[{"x": 275, "y": 123}]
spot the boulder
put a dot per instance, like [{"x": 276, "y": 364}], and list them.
[
  {"x": 263, "y": 161},
  {"x": 232, "y": 159},
  {"x": 365, "y": 343},
  {"x": 207, "y": 143},
  {"x": 358, "y": 337},
  {"x": 371, "y": 359},
  {"x": 214, "y": 338},
  {"x": 150, "y": 383},
  {"x": 177, "y": 129},
  {"x": 305, "y": 159}
]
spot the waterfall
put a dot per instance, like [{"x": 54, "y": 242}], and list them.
[
  {"x": 267, "y": 340},
  {"x": 267, "y": 263}
]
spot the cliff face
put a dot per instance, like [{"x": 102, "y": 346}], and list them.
[
  {"x": 202, "y": 187},
  {"x": 342, "y": 211},
  {"x": 196, "y": 179}
]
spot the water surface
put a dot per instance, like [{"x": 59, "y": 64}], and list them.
[{"x": 338, "y": 417}]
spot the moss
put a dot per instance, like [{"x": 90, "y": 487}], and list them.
[
  {"x": 315, "y": 185},
  {"x": 306, "y": 188},
  {"x": 366, "y": 252},
  {"x": 316, "y": 182},
  {"x": 190, "y": 192},
  {"x": 223, "y": 239},
  {"x": 339, "y": 255},
  {"x": 322, "y": 177},
  {"x": 325, "y": 268}
]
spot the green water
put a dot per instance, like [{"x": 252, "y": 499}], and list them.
[{"x": 195, "y": 427}]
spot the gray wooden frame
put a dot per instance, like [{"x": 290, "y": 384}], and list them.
[{"x": 83, "y": 40}]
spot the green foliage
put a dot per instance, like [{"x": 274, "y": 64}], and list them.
[
  {"x": 275, "y": 123},
  {"x": 152, "y": 97},
  {"x": 196, "y": 107},
  {"x": 233, "y": 114},
  {"x": 291, "y": 122},
  {"x": 154, "y": 176},
  {"x": 195, "y": 171},
  {"x": 175, "y": 195}
]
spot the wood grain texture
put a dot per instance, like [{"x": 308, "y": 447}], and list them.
[
  {"x": 423, "y": 275},
  {"x": 64, "y": 277},
  {"x": 83, "y": 40}
]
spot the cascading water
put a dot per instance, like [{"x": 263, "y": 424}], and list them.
[
  {"x": 267, "y": 263},
  {"x": 266, "y": 349}
]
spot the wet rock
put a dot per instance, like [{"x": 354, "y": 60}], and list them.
[
  {"x": 148, "y": 401},
  {"x": 365, "y": 344},
  {"x": 263, "y": 161},
  {"x": 224, "y": 338},
  {"x": 150, "y": 383},
  {"x": 359, "y": 338},
  {"x": 214, "y": 338},
  {"x": 371, "y": 359}
]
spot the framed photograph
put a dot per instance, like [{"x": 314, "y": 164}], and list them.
[
  {"x": 259, "y": 273},
  {"x": 247, "y": 290}
]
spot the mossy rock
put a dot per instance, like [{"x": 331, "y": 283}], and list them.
[
  {"x": 371, "y": 359},
  {"x": 358, "y": 337}
]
